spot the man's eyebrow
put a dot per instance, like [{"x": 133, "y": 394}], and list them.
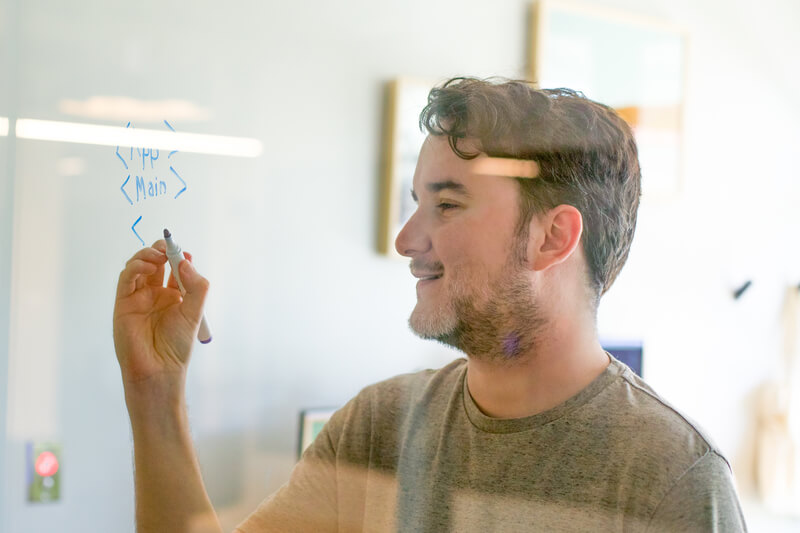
[
  {"x": 454, "y": 186},
  {"x": 437, "y": 186}
]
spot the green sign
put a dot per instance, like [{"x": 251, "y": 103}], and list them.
[{"x": 44, "y": 472}]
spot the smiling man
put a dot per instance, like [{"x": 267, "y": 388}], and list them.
[
  {"x": 509, "y": 290},
  {"x": 527, "y": 204}
]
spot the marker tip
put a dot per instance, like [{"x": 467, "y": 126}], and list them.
[{"x": 167, "y": 234}]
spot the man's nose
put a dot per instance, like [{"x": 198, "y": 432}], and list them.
[{"x": 412, "y": 239}]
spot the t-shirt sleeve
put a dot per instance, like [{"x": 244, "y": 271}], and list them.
[
  {"x": 307, "y": 502},
  {"x": 703, "y": 500}
]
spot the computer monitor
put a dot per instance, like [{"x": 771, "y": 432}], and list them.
[{"x": 628, "y": 353}]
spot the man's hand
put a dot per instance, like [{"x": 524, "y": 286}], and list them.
[{"x": 154, "y": 327}]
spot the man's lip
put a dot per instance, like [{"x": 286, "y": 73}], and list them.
[{"x": 427, "y": 277}]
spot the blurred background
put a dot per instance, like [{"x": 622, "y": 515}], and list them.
[{"x": 283, "y": 208}]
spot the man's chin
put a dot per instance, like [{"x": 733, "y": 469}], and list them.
[{"x": 436, "y": 329}]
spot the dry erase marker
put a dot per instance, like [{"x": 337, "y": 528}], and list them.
[{"x": 175, "y": 256}]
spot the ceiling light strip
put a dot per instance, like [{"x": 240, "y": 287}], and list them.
[{"x": 74, "y": 132}]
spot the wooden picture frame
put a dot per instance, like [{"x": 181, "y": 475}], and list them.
[
  {"x": 402, "y": 140},
  {"x": 635, "y": 64}
]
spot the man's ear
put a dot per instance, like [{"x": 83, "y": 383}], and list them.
[{"x": 560, "y": 231}]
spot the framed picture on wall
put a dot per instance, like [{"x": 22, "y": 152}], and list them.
[
  {"x": 402, "y": 141},
  {"x": 634, "y": 64},
  {"x": 311, "y": 423}
]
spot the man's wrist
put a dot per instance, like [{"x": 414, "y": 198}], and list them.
[{"x": 156, "y": 396}]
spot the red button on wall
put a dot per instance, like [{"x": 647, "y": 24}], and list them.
[{"x": 46, "y": 464}]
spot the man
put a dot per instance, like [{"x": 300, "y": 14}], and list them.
[{"x": 527, "y": 205}]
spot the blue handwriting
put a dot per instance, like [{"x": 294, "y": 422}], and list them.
[{"x": 146, "y": 181}]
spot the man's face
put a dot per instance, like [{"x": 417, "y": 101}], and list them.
[{"x": 473, "y": 292}]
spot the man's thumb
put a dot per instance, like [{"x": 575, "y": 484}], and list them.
[{"x": 196, "y": 290}]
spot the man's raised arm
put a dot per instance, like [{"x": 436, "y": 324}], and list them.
[{"x": 154, "y": 331}]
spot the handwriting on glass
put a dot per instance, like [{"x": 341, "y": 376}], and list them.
[{"x": 149, "y": 176}]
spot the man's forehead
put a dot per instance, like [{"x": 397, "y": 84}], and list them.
[
  {"x": 438, "y": 152},
  {"x": 470, "y": 175}
]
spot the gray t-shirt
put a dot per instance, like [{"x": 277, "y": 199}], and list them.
[{"x": 415, "y": 453}]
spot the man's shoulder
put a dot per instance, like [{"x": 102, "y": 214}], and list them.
[
  {"x": 644, "y": 420},
  {"x": 686, "y": 475}
]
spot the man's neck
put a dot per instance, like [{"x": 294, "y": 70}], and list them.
[{"x": 557, "y": 369}]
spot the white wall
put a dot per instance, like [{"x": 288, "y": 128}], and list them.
[
  {"x": 311, "y": 313},
  {"x": 6, "y": 206}
]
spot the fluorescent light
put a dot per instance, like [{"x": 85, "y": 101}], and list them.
[
  {"x": 73, "y": 132},
  {"x": 3, "y": 126}
]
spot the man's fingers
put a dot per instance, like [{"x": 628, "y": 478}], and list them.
[
  {"x": 134, "y": 270},
  {"x": 151, "y": 255},
  {"x": 157, "y": 279}
]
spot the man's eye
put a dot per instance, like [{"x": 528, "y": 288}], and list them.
[{"x": 444, "y": 206}]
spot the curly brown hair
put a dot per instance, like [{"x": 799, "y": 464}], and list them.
[{"x": 586, "y": 154}]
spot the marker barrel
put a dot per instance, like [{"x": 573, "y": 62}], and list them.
[{"x": 175, "y": 256}]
